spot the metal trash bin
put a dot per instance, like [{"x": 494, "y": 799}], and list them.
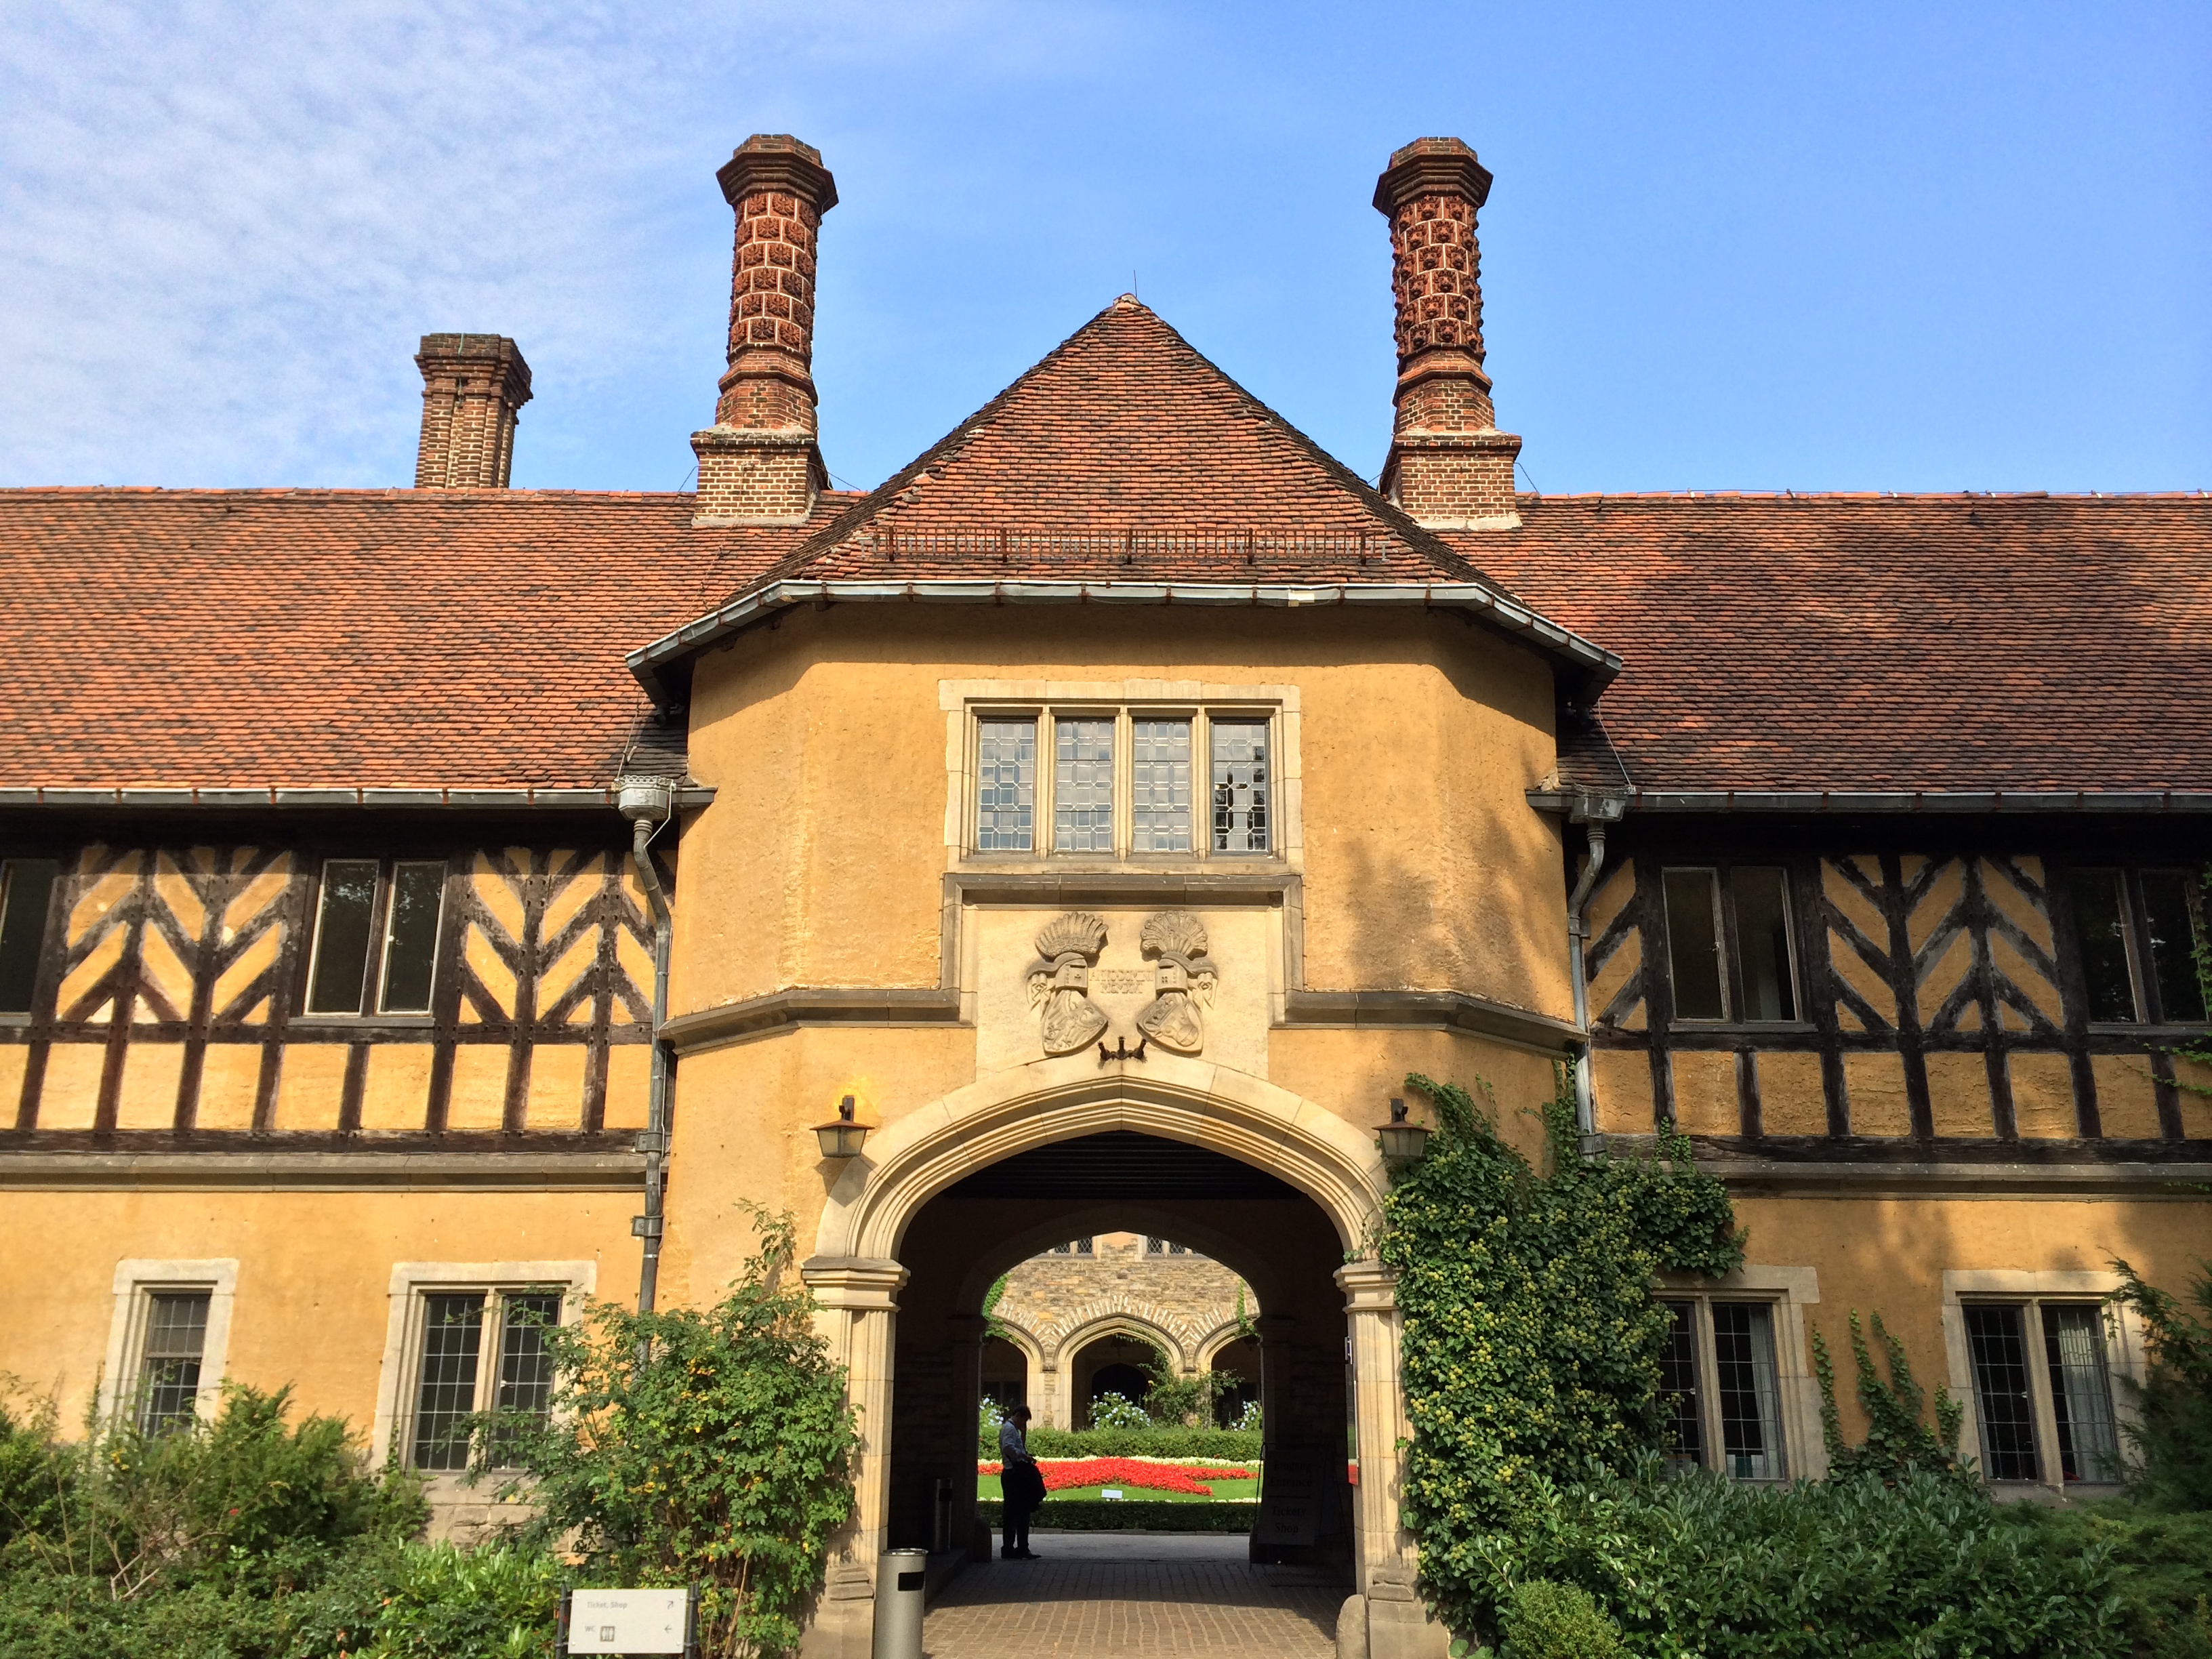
[{"x": 900, "y": 1576}]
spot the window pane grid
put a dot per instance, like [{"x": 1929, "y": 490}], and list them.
[
  {"x": 1160, "y": 786},
  {"x": 2080, "y": 1394},
  {"x": 453, "y": 1340},
  {"x": 1005, "y": 796},
  {"x": 1678, "y": 1389},
  {"x": 1240, "y": 787},
  {"x": 1745, "y": 1390},
  {"x": 1998, "y": 1348},
  {"x": 1083, "y": 785},
  {"x": 525, "y": 1366},
  {"x": 169, "y": 1370}
]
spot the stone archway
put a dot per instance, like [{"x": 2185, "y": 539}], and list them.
[{"x": 856, "y": 1275}]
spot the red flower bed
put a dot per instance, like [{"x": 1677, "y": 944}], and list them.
[{"x": 1061, "y": 1475}]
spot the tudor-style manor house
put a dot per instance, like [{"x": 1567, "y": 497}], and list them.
[{"x": 428, "y": 907}]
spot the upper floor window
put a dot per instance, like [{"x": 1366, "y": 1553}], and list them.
[
  {"x": 2141, "y": 934},
  {"x": 1122, "y": 781},
  {"x": 1729, "y": 943},
  {"x": 1165, "y": 1247},
  {"x": 1722, "y": 1391},
  {"x": 27, "y": 887},
  {"x": 2047, "y": 1411},
  {"x": 1073, "y": 1247},
  {"x": 376, "y": 937}
]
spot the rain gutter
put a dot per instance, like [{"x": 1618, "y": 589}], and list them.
[
  {"x": 1840, "y": 803},
  {"x": 323, "y": 799},
  {"x": 649, "y": 662}
]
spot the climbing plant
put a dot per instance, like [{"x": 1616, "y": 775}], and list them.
[
  {"x": 1898, "y": 1443},
  {"x": 710, "y": 1446},
  {"x": 1531, "y": 1338}
]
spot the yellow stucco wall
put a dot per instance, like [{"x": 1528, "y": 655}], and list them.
[
  {"x": 314, "y": 1271},
  {"x": 819, "y": 862}
]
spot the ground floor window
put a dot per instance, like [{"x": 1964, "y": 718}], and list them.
[
  {"x": 2018, "y": 1349},
  {"x": 481, "y": 1350},
  {"x": 1723, "y": 1395},
  {"x": 170, "y": 1358}
]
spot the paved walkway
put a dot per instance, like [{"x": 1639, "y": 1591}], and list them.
[{"x": 1101, "y": 1592}]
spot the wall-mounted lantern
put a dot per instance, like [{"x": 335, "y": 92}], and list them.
[
  {"x": 1403, "y": 1142},
  {"x": 841, "y": 1137}
]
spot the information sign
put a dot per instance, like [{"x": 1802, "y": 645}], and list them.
[{"x": 627, "y": 1621}]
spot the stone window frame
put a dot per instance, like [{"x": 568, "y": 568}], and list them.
[
  {"x": 2126, "y": 1357},
  {"x": 137, "y": 1280},
  {"x": 412, "y": 1283},
  {"x": 967, "y": 703},
  {"x": 1788, "y": 1291}
]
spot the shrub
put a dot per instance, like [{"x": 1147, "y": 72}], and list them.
[
  {"x": 1231, "y": 1445},
  {"x": 2172, "y": 1439},
  {"x": 1114, "y": 1411},
  {"x": 1531, "y": 1339},
  {"x": 2161, "y": 1564},
  {"x": 709, "y": 1447},
  {"x": 1704, "y": 1565},
  {"x": 1544, "y": 1620}
]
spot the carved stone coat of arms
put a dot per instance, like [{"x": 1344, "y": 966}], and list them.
[
  {"x": 1184, "y": 980},
  {"x": 1060, "y": 981}
]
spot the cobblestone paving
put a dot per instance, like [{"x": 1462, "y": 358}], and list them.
[{"x": 1106, "y": 1593}]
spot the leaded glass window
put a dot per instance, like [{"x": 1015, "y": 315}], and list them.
[
  {"x": 1240, "y": 787},
  {"x": 526, "y": 1365},
  {"x": 1006, "y": 785},
  {"x": 1678, "y": 1388},
  {"x": 2080, "y": 1393},
  {"x": 1160, "y": 786},
  {"x": 446, "y": 1397},
  {"x": 1744, "y": 1384},
  {"x": 1997, "y": 1345},
  {"x": 1083, "y": 785},
  {"x": 169, "y": 1362}
]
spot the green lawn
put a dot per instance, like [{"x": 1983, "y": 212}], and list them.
[{"x": 987, "y": 1492}]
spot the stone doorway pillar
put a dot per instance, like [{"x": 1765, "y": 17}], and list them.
[
  {"x": 857, "y": 1301},
  {"x": 968, "y": 1332},
  {"x": 1274, "y": 1330},
  {"x": 1396, "y": 1624}
]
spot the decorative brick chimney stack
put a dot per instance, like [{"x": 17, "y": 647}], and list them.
[
  {"x": 759, "y": 462},
  {"x": 1451, "y": 468},
  {"x": 474, "y": 386}
]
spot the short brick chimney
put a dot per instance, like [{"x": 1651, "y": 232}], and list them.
[
  {"x": 1451, "y": 468},
  {"x": 759, "y": 462},
  {"x": 474, "y": 386}
]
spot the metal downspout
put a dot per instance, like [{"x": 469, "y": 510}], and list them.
[{"x": 649, "y": 805}]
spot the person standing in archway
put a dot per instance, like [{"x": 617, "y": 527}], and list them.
[{"x": 1020, "y": 1485}]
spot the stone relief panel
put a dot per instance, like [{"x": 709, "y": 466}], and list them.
[
  {"x": 1184, "y": 979},
  {"x": 1060, "y": 981},
  {"x": 1046, "y": 983}
]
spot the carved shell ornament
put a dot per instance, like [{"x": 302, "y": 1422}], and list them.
[
  {"x": 1060, "y": 981},
  {"x": 1184, "y": 980}
]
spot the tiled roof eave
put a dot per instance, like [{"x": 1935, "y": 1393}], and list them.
[
  {"x": 648, "y": 663},
  {"x": 327, "y": 797},
  {"x": 1836, "y": 803}
]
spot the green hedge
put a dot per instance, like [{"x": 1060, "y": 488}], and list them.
[
  {"x": 1229, "y": 1445},
  {"x": 1136, "y": 1515}
]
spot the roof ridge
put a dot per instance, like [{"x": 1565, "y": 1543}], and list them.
[{"x": 1450, "y": 561}]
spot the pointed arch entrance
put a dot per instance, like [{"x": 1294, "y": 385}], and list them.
[{"x": 857, "y": 1273}]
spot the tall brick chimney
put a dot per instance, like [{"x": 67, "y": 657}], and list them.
[
  {"x": 1449, "y": 467},
  {"x": 759, "y": 462},
  {"x": 474, "y": 386}
]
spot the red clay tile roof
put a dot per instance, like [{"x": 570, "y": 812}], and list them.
[
  {"x": 357, "y": 638},
  {"x": 1125, "y": 456},
  {"x": 1863, "y": 642}
]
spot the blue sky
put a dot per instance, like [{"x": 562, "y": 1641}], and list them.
[{"x": 1853, "y": 246}]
